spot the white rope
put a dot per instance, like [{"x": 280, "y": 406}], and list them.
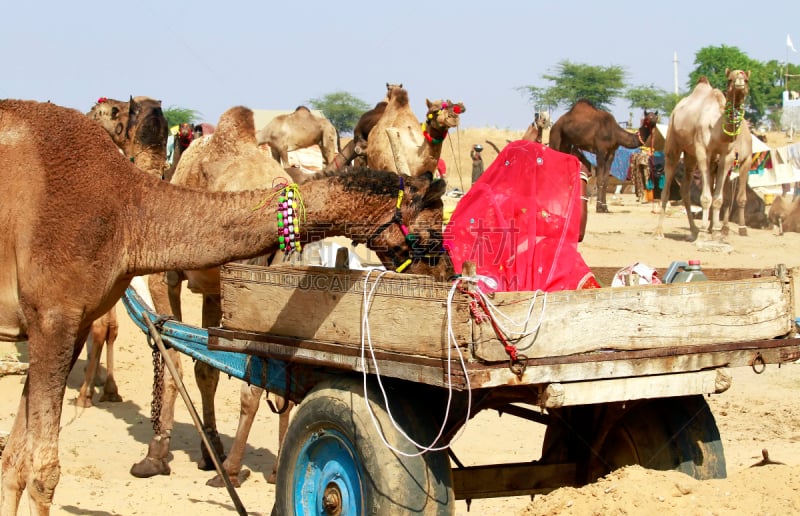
[
  {"x": 498, "y": 314},
  {"x": 367, "y": 338}
]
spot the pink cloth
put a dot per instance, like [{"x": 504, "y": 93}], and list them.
[{"x": 520, "y": 221}]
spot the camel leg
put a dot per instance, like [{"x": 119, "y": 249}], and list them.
[
  {"x": 283, "y": 424},
  {"x": 603, "y": 164},
  {"x": 741, "y": 196},
  {"x": 249, "y": 397},
  {"x": 95, "y": 345},
  {"x": 30, "y": 459},
  {"x": 706, "y": 197},
  {"x": 155, "y": 462},
  {"x": 159, "y": 292},
  {"x": 110, "y": 391},
  {"x": 670, "y": 165},
  {"x": 174, "y": 280},
  {"x": 207, "y": 379}
]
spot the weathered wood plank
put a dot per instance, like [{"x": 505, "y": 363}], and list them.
[
  {"x": 641, "y": 317},
  {"x": 641, "y": 387},
  {"x": 407, "y": 313}
]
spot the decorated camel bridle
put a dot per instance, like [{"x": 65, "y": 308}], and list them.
[
  {"x": 291, "y": 210},
  {"x": 415, "y": 251},
  {"x": 734, "y": 112},
  {"x": 438, "y": 132}
]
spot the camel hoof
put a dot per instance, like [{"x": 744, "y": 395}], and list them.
[
  {"x": 150, "y": 467},
  {"x": 83, "y": 402},
  {"x": 742, "y": 231},
  {"x": 602, "y": 208},
  {"x": 113, "y": 397},
  {"x": 236, "y": 480},
  {"x": 206, "y": 463}
]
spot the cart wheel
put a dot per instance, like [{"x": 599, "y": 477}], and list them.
[
  {"x": 669, "y": 433},
  {"x": 333, "y": 460}
]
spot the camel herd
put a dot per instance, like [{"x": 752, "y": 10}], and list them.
[{"x": 71, "y": 249}]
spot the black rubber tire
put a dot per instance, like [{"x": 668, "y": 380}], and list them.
[
  {"x": 669, "y": 433},
  {"x": 677, "y": 433},
  {"x": 381, "y": 481}
]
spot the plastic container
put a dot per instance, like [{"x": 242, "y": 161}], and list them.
[{"x": 684, "y": 272}]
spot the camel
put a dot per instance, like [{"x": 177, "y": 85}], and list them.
[
  {"x": 367, "y": 121},
  {"x": 422, "y": 148},
  {"x": 784, "y": 214},
  {"x": 539, "y": 130},
  {"x": 229, "y": 160},
  {"x": 298, "y": 130},
  {"x": 586, "y": 128},
  {"x": 70, "y": 250},
  {"x": 139, "y": 128},
  {"x": 709, "y": 129}
]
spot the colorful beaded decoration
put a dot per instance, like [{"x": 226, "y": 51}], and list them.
[{"x": 289, "y": 209}]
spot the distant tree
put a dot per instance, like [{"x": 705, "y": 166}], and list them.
[
  {"x": 647, "y": 98},
  {"x": 177, "y": 115},
  {"x": 342, "y": 109},
  {"x": 574, "y": 81}
]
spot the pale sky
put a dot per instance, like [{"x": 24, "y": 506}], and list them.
[{"x": 210, "y": 56}]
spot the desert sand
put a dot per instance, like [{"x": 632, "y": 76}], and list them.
[{"x": 98, "y": 445}]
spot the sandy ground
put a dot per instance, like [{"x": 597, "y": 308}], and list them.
[{"x": 98, "y": 445}]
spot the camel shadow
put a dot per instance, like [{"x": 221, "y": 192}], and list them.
[{"x": 185, "y": 436}]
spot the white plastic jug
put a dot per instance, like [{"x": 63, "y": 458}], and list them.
[{"x": 683, "y": 272}]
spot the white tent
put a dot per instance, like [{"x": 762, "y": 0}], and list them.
[{"x": 783, "y": 167}]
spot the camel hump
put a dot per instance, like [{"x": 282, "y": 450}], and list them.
[
  {"x": 302, "y": 108},
  {"x": 236, "y": 125},
  {"x": 703, "y": 80}
]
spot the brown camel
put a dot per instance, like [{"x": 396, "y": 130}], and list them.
[
  {"x": 71, "y": 249},
  {"x": 709, "y": 129},
  {"x": 230, "y": 159},
  {"x": 784, "y": 214},
  {"x": 139, "y": 129},
  {"x": 422, "y": 147},
  {"x": 367, "y": 121},
  {"x": 227, "y": 160},
  {"x": 586, "y": 128},
  {"x": 298, "y": 130}
]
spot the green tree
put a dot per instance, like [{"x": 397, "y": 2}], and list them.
[
  {"x": 647, "y": 98},
  {"x": 177, "y": 115},
  {"x": 712, "y": 62},
  {"x": 574, "y": 81},
  {"x": 342, "y": 109}
]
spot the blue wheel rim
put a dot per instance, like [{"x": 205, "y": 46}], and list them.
[{"x": 328, "y": 474}]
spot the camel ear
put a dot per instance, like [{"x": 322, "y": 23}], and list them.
[
  {"x": 428, "y": 103},
  {"x": 435, "y": 191},
  {"x": 463, "y": 108},
  {"x": 727, "y": 71}
]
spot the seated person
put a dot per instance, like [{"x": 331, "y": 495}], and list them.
[{"x": 522, "y": 220}]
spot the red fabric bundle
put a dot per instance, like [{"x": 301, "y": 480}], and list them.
[{"x": 520, "y": 221}]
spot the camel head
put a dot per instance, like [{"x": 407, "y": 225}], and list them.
[
  {"x": 138, "y": 127},
  {"x": 442, "y": 115},
  {"x": 412, "y": 240},
  {"x": 738, "y": 85},
  {"x": 541, "y": 119}
]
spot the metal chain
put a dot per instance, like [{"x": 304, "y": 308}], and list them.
[{"x": 158, "y": 388}]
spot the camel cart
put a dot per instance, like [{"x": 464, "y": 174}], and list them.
[{"x": 387, "y": 369}]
